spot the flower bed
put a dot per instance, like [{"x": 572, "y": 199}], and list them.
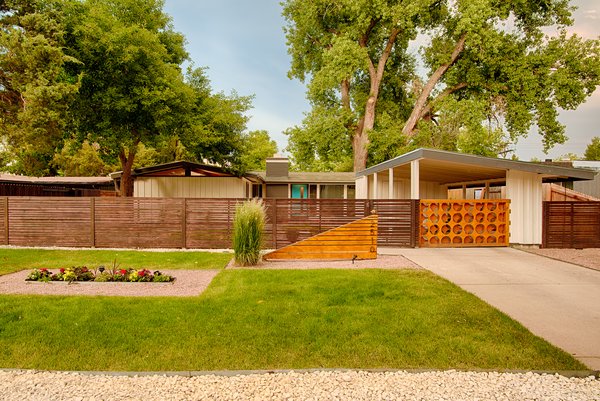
[{"x": 100, "y": 274}]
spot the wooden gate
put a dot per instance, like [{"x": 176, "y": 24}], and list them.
[
  {"x": 571, "y": 225},
  {"x": 464, "y": 223}
]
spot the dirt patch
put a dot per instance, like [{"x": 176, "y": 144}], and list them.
[
  {"x": 382, "y": 262},
  {"x": 188, "y": 283},
  {"x": 589, "y": 258}
]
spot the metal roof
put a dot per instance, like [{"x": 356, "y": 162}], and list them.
[{"x": 448, "y": 167}]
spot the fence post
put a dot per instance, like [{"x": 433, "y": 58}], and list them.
[
  {"x": 416, "y": 222},
  {"x": 184, "y": 224},
  {"x": 6, "y": 239},
  {"x": 93, "y": 221},
  {"x": 544, "y": 224},
  {"x": 275, "y": 222}
]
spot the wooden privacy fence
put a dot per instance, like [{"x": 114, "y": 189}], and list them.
[
  {"x": 571, "y": 225},
  {"x": 188, "y": 223},
  {"x": 464, "y": 223}
]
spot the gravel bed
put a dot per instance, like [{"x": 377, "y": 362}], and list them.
[
  {"x": 187, "y": 283},
  {"x": 382, "y": 262},
  {"x": 589, "y": 258},
  {"x": 325, "y": 385}
]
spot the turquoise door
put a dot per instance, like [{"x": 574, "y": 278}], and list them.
[{"x": 299, "y": 191}]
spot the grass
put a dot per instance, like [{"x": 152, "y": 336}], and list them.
[
  {"x": 265, "y": 319},
  {"x": 13, "y": 260}
]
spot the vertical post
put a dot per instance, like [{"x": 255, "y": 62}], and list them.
[
  {"x": 572, "y": 225},
  {"x": 391, "y": 184},
  {"x": 375, "y": 186},
  {"x": 414, "y": 180},
  {"x": 274, "y": 202},
  {"x": 544, "y": 224},
  {"x": 6, "y": 238},
  {"x": 184, "y": 224},
  {"x": 415, "y": 222},
  {"x": 93, "y": 222}
]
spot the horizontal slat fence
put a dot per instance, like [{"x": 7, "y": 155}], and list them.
[
  {"x": 571, "y": 225},
  {"x": 188, "y": 223}
]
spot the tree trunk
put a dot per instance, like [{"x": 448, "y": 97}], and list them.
[
  {"x": 420, "y": 107},
  {"x": 361, "y": 137},
  {"x": 126, "y": 157}
]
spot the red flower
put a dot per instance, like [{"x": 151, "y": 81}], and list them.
[
  {"x": 84, "y": 269},
  {"x": 142, "y": 273},
  {"x": 43, "y": 269},
  {"x": 62, "y": 270},
  {"x": 123, "y": 271}
]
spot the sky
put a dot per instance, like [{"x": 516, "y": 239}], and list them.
[{"x": 243, "y": 45}]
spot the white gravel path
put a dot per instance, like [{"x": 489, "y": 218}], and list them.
[{"x": 326, "y": 385}]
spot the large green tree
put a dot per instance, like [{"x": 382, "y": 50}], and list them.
[
  {"x": 132, "y": 88},
  {"x": 35, "y": 90},
  {"x": 355, "y": 54}
]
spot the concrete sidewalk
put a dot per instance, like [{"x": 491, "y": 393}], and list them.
[{"x": 555, "y": 300}]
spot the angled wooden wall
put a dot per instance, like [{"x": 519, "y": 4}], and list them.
[{"x": 356, "y": 240}]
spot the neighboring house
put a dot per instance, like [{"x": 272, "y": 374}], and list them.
[
  {"x": 182, "y": 179},
  {"x": 430, "y": 174},
  {"x": 18, "y": 185},
  {"x": 280, "y": 182}
]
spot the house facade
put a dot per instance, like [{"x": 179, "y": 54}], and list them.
[{"x": 432, "y": 174}]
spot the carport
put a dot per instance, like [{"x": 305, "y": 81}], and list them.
[{"x": 428, "y": 174}]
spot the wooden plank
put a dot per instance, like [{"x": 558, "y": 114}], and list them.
[{"x": 320, "y": 246}]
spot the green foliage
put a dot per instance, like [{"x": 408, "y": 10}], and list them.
[
  {"x": 85, "y": 161},
  {"x": 490, "y": 58},
  {"x": 35, "y": 87},
  {"x": 269, "y": 319},
  {"x": 248, "y": 229},
  {"x": 592, "y": 152},
  {"x": 257, "y": 147},
  {"x": 91, "y": 85},
  {"x": 322, "y": 142}
]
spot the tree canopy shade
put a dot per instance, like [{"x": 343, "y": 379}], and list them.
[{"x": 491, "y": 54}]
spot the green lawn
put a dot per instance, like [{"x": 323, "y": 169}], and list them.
[
  {"x": 12, "y": 260},
  {"x": 275, "y": 319}
]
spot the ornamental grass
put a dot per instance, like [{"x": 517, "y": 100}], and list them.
[{"x": 248, "y": 229}]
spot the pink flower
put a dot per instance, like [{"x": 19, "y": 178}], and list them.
[{"x": 84, "y": 269}]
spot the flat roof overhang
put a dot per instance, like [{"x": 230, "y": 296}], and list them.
[{"x": 449, "y": 168}]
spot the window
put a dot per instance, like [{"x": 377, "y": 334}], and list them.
[
  {"x": 332, "y": 192},
  {"x": 351, "y": 192}
]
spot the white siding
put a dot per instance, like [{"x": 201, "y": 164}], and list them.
[
  {"x": 427, "y": 190},
  {"x": 525, "y": 193},
  {"x": 362, "y": 187},
  {"x": 189, "y": 187}
]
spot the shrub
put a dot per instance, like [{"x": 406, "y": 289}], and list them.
[{"x": 248, "y": 228}]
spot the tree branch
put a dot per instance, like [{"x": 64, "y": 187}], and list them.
[
  {"x": 448, "y": 91},
  {"x": 416, "y": 113}
]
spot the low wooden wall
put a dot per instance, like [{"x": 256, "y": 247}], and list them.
[
  {"x": 188, "y": 223},
  {"x": 571, "y": 225}
]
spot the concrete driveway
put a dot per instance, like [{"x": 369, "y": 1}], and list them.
[{"x": 555, "y": 300}]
